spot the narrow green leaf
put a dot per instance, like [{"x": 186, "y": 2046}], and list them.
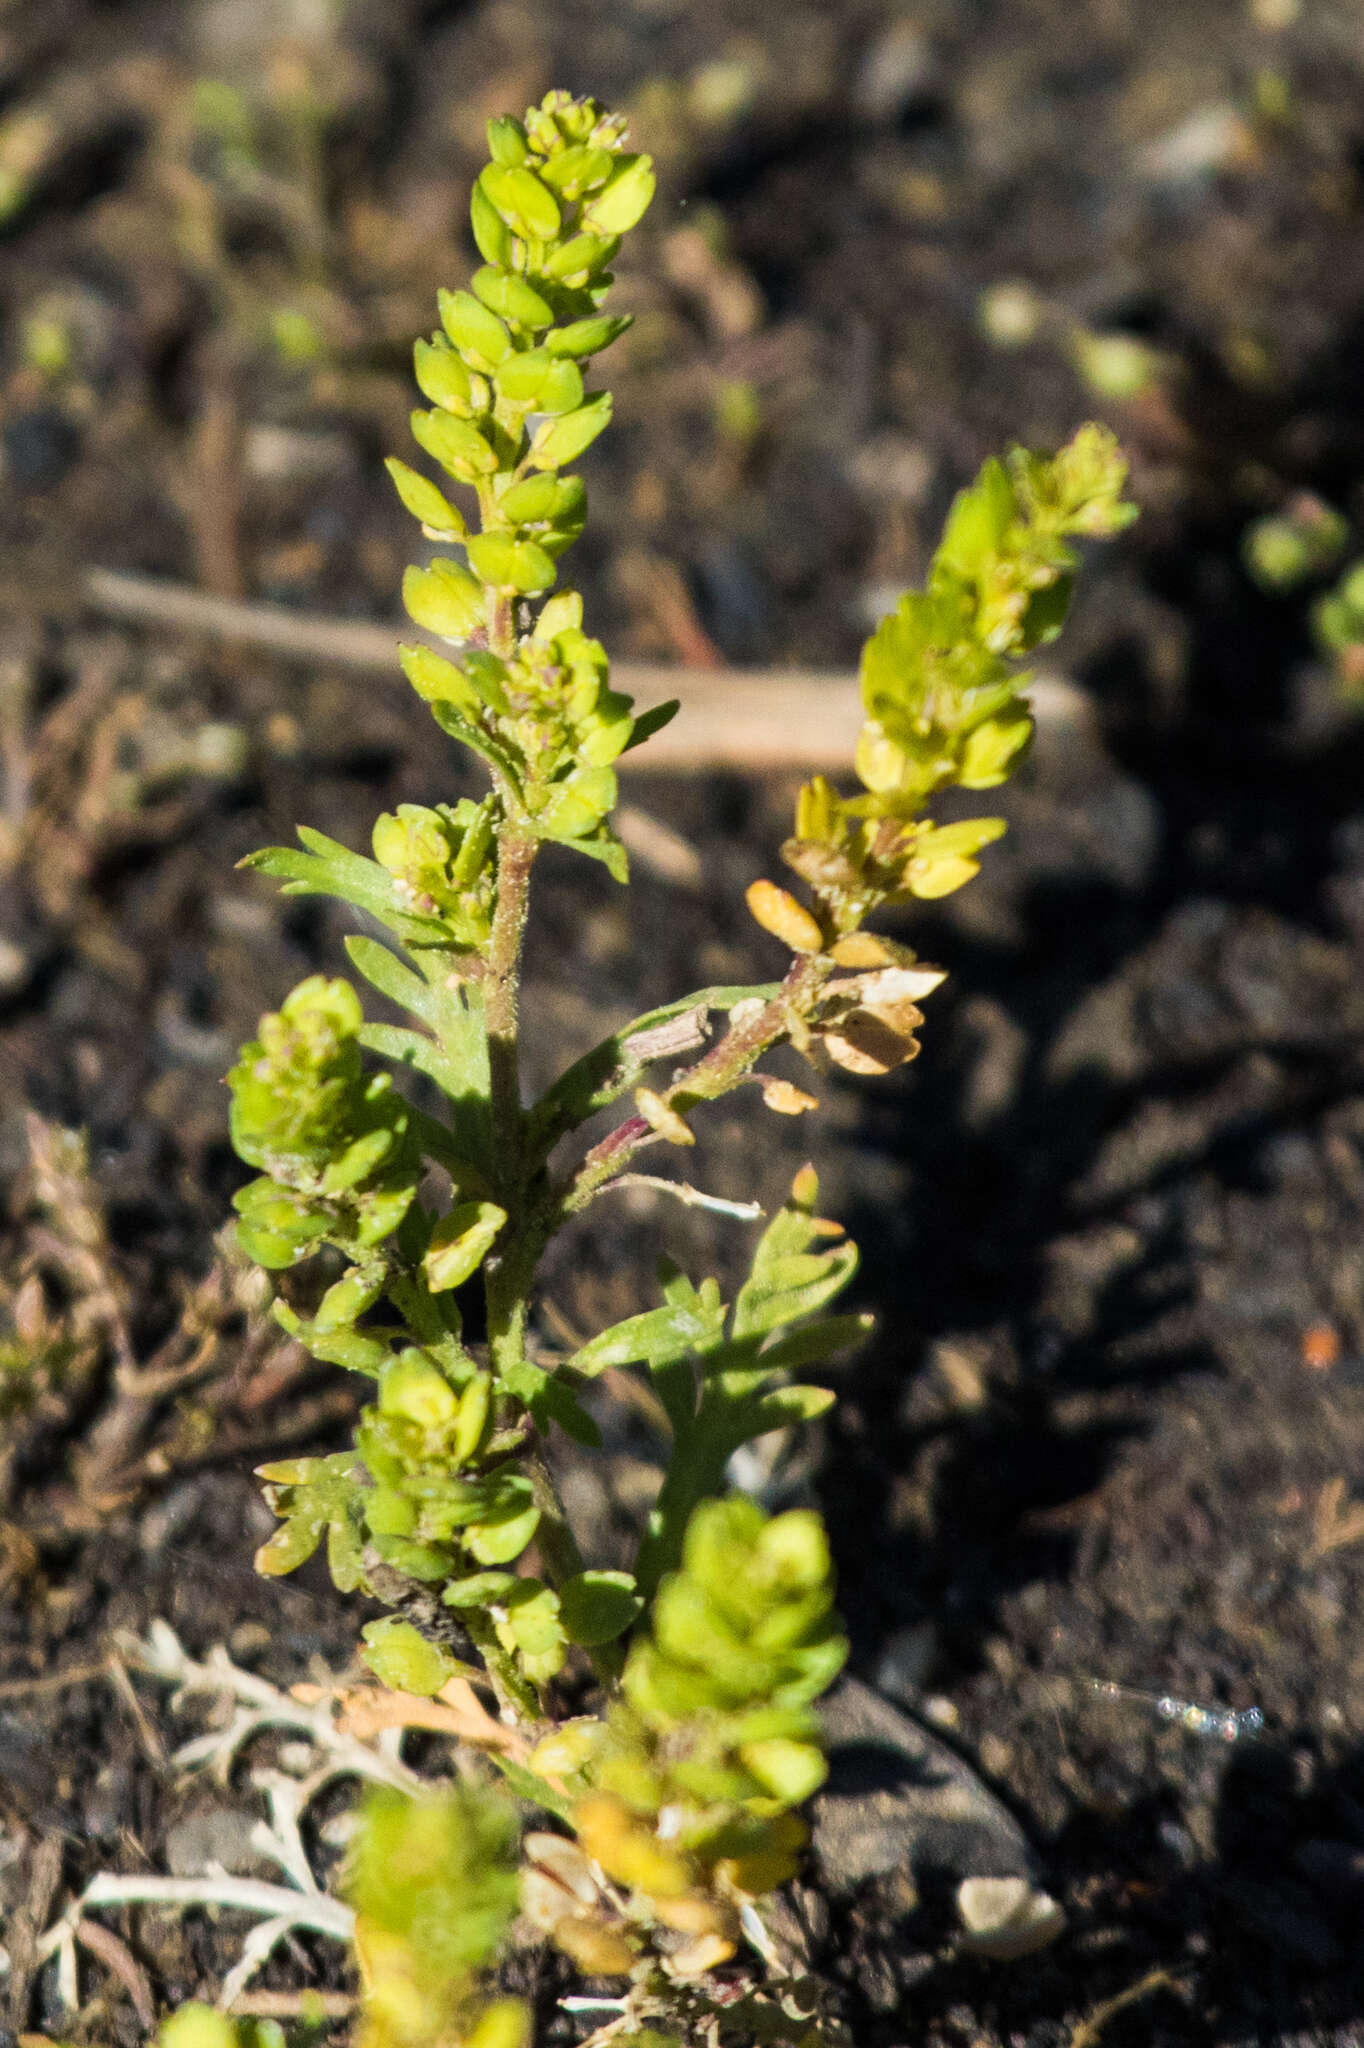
[
  {"x": 656, "y": 1337},
  {"x": 588, "y": 337},
  {"x": 424, "y": 501},
  {"x": 326, "y": 869},
  {"x": 563, "y": 440},
  {"x": 414, "y": 1049},
  {"x": 477, "y": 741},
  {"x": 550, "y": 1398},
  {"x": 771, "y": 1302},
  {"x": 384, "y": 971},
  {"x": 815, "y": 1342},
  {"x": 533, "y": 1790},
  {"x": 647, "y": 723}
]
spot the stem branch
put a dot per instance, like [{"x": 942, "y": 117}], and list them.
[{"x": 717, "y": 1072}]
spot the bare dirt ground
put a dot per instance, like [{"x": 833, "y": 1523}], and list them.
[{"x": 1112, "y": 1427}]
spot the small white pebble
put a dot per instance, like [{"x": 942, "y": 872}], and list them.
[{"x": 1007, "y": 1917}]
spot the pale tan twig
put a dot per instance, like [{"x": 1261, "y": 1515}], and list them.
[
  {"x": 759, "y": 720},
  {"x": 118, "y": 1959},
  {"x": 293, "y": 2005},
  {"x": 51, "y": 1681}
]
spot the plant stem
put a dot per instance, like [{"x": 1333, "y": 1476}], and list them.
[
  {"x": 516, "y": 854},
  {"x": 558, "y": 1544},
  {"x": 563, "y": 1559},
  {"x": 507, "y": 1277},
  {"x": 516, "y": 1699},
  {"x": 718, "y": 1071}
]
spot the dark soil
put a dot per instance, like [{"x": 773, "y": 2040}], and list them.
[{"x": 1112, "y": 1222}]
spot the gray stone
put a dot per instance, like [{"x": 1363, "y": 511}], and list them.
[
  {"x": 896, "y": 1796},
  {"x": 215, "y": 1837}
]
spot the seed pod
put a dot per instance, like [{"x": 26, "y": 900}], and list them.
[
  {"x": 823, "y": 867},
  {"x": 867, "y": 1043},
  {"x": 436, "y": 680},
  {"x": 628, "y": 1849},
  {"x": 472, "y": 328},
  {"x": 413, "y": 1387},
  {"x": 778, "y": 912},
  {"x": 540, "y": 380},
  {"x": 475, "y": 1404},
  {"x": 588, "y": 337},
  {"x": 535, "y": 497},
  {"x": 507, "y": 140},
  {"x": 511, "y": 298},
  {"x": 425, "y": 502},
  {"x": 491, "y": 233},
  {"x": 584, "y": 255},
  {"x": 863, "y": 949},
  {"x": 459, "y": 1243},
  {"x": 880, "y": 763},
  {"x": 597, "y": 1950},
  {"x": 563, "y": 440},
  {"x": 578, "y": 805},
  {"x": 444, "y": 599},
  {"x": 625, "y": 199},
  {"x": 563, "y": 614},
  {"x": 349, "y": 1298},
  {"x": 606, "y": 739},
  {"x": 992, "y": 750},
  {"x": 661, "y": 1117},
  {"x": 506, "y": 2023},
  {"x": 527, "y": 206},
  {"x": 510, "y": 564},
  {"x": 456, "y": 445},
  {"x": 891, "y": 986},
  {"x": 580, "y": 169},
  {"x": 784, "y": 1097},
  {"x": 442, "y": 376}
]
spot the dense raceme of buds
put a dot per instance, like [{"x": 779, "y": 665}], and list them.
[
  {"x": 433, "y": 1883},
  {"x": 688, "y": 1786},
  {"x": 943, "y": 693},
  {"x": 439, "y": 863},
  {"x": 333, "y": 1143},
  {"x": 508, "y": 411},
  {"x": 547, "y": 717}
]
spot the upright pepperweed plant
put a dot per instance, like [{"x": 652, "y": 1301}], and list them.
[{"x": 676, "y": 1803}]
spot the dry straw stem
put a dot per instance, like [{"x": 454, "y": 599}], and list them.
[{"x": 760, "y": 720}]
